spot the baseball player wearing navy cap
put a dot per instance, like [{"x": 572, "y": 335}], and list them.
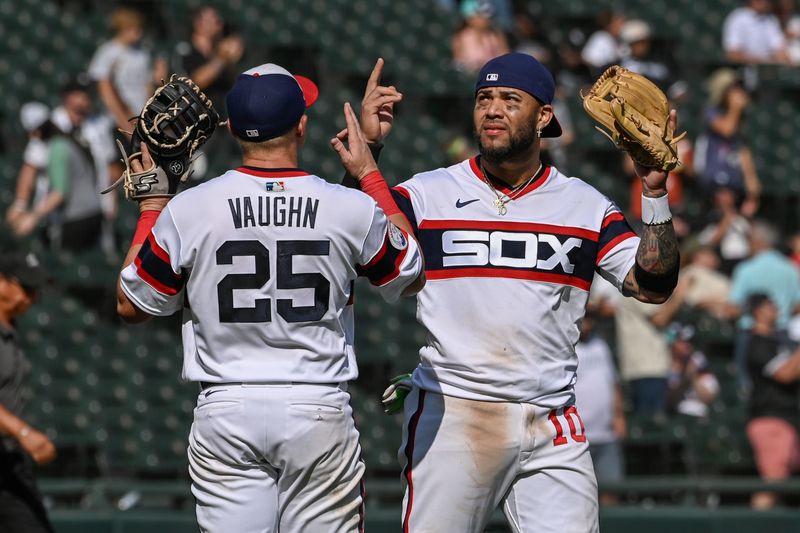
[
  {"x": 261, "y": 262},
  {"x": 511, "y": 246}
]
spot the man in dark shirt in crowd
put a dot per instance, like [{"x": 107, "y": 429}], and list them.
[
  {"x": 208, "y": 57},
  {"x": 21, "y": 509},
  {"x": 774, "y": 369}
]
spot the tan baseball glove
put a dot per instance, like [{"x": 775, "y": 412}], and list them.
[{"x": 635, "y": 115}]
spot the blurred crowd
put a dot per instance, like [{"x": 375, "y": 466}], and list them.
[
  {"x": 635, "y": 359},
  {"x": 72, "y": 151}
]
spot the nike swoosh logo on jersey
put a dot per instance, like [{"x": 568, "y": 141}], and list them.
[{"x": 460, "y": 204}]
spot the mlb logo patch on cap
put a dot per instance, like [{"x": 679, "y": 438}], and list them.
[{"x": 492, "y": 77}]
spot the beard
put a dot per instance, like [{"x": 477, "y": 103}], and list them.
[{"x": 519, "y": 144}]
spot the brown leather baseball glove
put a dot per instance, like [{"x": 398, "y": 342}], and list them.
[{"x": 635, "y": 115}]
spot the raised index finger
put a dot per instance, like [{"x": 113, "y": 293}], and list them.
[
  {"x": 353, "y": 131},
  {"x": 375, "y": 77}
]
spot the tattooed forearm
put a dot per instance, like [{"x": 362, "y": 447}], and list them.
[{"x": 658, "y": 249}]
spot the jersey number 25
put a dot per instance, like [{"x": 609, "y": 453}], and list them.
[{"x": 285, "y": 279}]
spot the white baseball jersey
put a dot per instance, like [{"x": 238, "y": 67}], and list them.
[
  {"x": 262, "y": 262},
  {"x": 505, "y": 293}
]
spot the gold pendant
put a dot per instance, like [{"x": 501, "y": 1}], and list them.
[{"x": 501, "y": 207}]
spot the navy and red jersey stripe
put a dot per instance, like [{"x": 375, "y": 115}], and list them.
[
  {"x": 403, "y": 200},
  {"x": 153, "y": 266},
  {"x": 385, "y": 266},
  {"x": 613, "y": 231}
]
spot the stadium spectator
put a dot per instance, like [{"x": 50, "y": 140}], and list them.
[
  {"x": 644, "y": 356},
  {"x": 554, "y": 149},
  {"x": 598, "y": 396},
  {"x": 752, "y": 34},
  {"x": 692, "y": 386},
  {"x": 794, "y": 249},
  {"x": 707, "y": 287},
  {"x": 637, "y": 53},
  {"x": 790, "y": 22},
  {"x": 774, "y": 414},
  {"x": 527, "y": 40},
  {"x": 71, "y": 209},
  {"x": 92, "y": 130},
  {"x": 477, "y": 41},
  {"x": 21, "y": 508},
  {"x": 726, "y": 230},
  {"x": 766, "y": 272},
  {"x": 32, "y": 179},
  {"x": 124, "y": 71},
  {"x": 603, "y": 46},
  {"x": 722, "y": 159},
  {"x": 571, "y": 74},
  {"x": 209, "y": 56}
]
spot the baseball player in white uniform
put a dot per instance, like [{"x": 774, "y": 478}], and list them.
[
  {"x": 261, "y": 262},
  {"x": 511, "y": 246}
]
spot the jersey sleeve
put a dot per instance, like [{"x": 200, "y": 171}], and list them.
[
  {"x": 616, "y": 247},
  {"x": 155, "y": 281},
  {"x": 389, "y": 258}
]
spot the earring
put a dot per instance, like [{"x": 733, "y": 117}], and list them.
[{"x": 539, "y": 132}]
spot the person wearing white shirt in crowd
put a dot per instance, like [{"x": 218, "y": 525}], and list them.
[
  {"x": 752, "y": 34},
  {"x": 32, "y": 178},
  {"x": 603, "y": 47},
  {"x": 637, "y": 53},
  {"x": 123, "y": 70},
  {"x": 598, "y": 395}
]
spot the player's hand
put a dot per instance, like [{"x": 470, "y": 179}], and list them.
[
  {"x": 140, "y": 164},
  {"x": 377, "y": 107},
  {"x": 356, "y": 157},
  {"x": 654, "y": 181},
  {"x": 395, "y": 394},
  {"x": 38, "y": 446}
]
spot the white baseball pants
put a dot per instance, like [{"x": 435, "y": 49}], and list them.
[
  {"x": 463, "y": 458},
  {"x": 276, "y": 457}
]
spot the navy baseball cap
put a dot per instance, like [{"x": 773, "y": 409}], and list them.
[
  {"x": 524, "y": 72},
  {"x": 267, "y": 101}
]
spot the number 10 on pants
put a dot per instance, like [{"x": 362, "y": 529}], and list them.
[{"x": 570, "y": 414}]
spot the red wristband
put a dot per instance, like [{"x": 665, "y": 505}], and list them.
[
  {"x": 147, "y": 219},
  {"x": 374, "y": 185}
]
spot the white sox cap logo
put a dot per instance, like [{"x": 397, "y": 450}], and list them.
[{"x": 492, "y": 77}]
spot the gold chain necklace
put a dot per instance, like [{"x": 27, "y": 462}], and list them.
[{"x": 501, "y": 201}]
